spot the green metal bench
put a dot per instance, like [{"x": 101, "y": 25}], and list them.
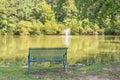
[{"x": 47, "y": 55}]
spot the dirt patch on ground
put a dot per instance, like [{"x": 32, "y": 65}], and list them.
[
  {"x": 89, "y": 77},
  {"x": 94, "y": 78},
  {"x": 46, "y": 72},
  {"x": 113, "y": 68},
  {"x": 111, "y": 72}
]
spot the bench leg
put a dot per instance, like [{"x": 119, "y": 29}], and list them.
[
  {"x": 65, "y": 65},
  {"x": 28, "y": 66}
]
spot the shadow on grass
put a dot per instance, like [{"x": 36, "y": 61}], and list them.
[{"x": 48, "y": 72}]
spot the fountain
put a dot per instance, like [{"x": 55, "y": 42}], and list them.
[
  {"x": 67, "y": 36},
  {"x": 67, "y": 32}
]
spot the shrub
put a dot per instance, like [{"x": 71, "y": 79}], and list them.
[
  {"x": 85, "y": 23},
  {"x": 60, "y": 29},
  {"x": 52, "y": 28},
  {"x": 36, "y": 28},
  {"x": 23, "y": 28},
  {"x": 73, "y": 24},
  {"x": 81, "y": 30},
  {"x": 89, "y": 30},
  {"x": 87, "y": 26},
  {"x": 3, "y": 26},
  {"x": 4, "y": 22},
  {"x": 116, "y": 28},
  {"x": 3, "y": 31},
  {"x": 108, "y": 31},
  {"x": 48, "y": 29},
  {"x": 11, "y": 28},
  {"x": 98, "y": 30},
  {"x": 74, "y": 29}
]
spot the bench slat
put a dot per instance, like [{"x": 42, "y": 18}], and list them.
[{"x": 46, "y": 60}]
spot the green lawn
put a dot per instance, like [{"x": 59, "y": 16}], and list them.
[{"x": 109, "y": 71}]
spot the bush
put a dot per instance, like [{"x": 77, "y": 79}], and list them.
[
  {"x": 116, "y": 28},
  {"x": 74, "y": 29},
  {"x": 48, "y": 29},
  {"x": 98, "y": 30},
  {"x": 81, "y": 30},
  {"x": 3, "y": 27},
  {"x": 101, "y": 31},
  {"x": 85, "y": 23},
  {"x": 4, "y": 22},
  {"x": 23, "y": 28},
  {"x": 60, "y": 29},
  {"x": 52, "y": 28},
  {"x": 108, "y": 31},
  {"x": 3, "y": 31},
  {"x": 73, "y": 24},
  {"x": 36, "y": 28},
  {"x": 89, "y": 30},
  {"x": 11, "y": 28}
]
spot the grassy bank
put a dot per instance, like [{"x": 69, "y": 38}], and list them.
[{"x": 92, "y": 72}]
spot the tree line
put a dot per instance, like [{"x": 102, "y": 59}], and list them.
[{"x": 36, "y": 17}]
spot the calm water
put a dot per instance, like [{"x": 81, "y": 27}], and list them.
[{"x": 82, "y": 49}]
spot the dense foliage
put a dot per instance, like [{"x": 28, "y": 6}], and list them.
[{"x": 31, "y": 17}]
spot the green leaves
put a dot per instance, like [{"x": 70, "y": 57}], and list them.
[
  {"x": 103, "y": 13},
  {"x": 43, "y": 12}
]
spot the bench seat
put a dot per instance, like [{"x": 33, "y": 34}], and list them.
[{"x": 47, "y": 55}]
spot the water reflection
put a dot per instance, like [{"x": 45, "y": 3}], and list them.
[{"x": 82, "y": 49}]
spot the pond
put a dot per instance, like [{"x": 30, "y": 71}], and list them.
[{"x": 81, "y": 49}]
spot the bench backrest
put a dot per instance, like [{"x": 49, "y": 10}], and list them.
[{"x": 47, "y": 53}]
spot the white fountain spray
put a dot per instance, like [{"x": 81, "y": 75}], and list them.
[{"x": 67, "y": 36}]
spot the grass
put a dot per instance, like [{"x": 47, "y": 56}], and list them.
[{"x": 110, "y": 71}]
